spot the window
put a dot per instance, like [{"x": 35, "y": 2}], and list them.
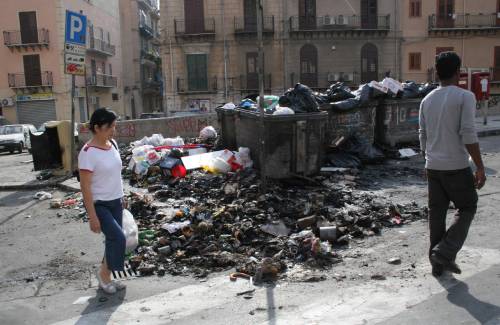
[
  {"x": 32, "y": 72},
  {"x": 197, "y": 72},
  {"x": 108, "y": 37},
  {"x": 114, "y": 97},
  {"x": 415, "y": 8},
  {"x": 29, "y": 32},
  {"x": 415, "y": 61},
  {"x": 496, "y": 64}
]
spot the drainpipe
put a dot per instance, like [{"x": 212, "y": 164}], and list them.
[
  {"x": 225, "y": 50},
  {"x": 285, "y": 43},
  {"x": 463, "y": 39},
  {"x": 171, "y": 69}
]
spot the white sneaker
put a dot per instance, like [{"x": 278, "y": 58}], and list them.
[
  {"x": 106, "y": 287},
  {"x": 119, "y": 285}
]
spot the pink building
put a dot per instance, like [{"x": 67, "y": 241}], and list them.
[{"x": 33, "y": 86}]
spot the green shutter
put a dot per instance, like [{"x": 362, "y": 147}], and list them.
[{"x": 197, "y": 72}]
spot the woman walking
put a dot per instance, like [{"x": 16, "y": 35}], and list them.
[{"x": 100, "y": 168}]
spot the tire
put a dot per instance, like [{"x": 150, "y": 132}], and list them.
[
  {"x": 11, "y": 151},
  {"x": 20, "y": 148}
]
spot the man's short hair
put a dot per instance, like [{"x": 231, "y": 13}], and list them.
[{"x": 447, "y": 64}]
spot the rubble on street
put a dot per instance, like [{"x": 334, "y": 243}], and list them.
[{"x": 211, "y": 221}]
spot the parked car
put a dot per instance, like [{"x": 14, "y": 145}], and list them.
[{"x": 16, "y": 137}]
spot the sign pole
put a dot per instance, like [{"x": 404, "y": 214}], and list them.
[
  {"x": 262, "y": 163},
  {"x": 72, "y": 126}
]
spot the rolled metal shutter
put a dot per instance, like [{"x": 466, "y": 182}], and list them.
[{"x": 36, "y": 112}]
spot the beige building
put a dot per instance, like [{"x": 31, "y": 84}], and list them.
[
  {"x": 33, "y": 86},
  {"x": 210, "y": 47},
  {"x": 470, "y": 28},
  {"x": 142, "y": 73}
]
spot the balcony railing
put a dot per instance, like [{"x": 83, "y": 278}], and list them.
[
  {"x": 151, "y": 4},
  {"x": 323, "y": 81},
  {"x": 22, "y": 80},
  {"x": 151, "y": 84},
  {"x": 201, "y": 27},
  {"x": 101, "y": 47},
  {"x": 249, "y": 26},
  {"x": 339, "y": 23},
  {"x": 184, "y": 86},
  {"x": 464, "y": 22},
  {"x": 146, "y": 30},
  {"x": 102, "y": 81},
  {"x": 15, "y": 38}
]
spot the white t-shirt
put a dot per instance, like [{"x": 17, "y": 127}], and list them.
[{"x": 106, "y": 168}]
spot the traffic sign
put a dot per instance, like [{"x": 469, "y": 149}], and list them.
[
  {"x": 76, "y": 28},
  {"x": 74, "y": 64},
  {"x": 74, "y": 49}
]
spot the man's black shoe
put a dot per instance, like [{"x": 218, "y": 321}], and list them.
[
  {"x": 437, "y": 270},
  {"x": 447, "y": 265}
]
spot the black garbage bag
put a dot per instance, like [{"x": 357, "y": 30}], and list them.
[
  {"x": 363, "y": 149},
  {"x": 344, "y": 160},
  {"x": 321, "y": 98},
  {"x": 301, "y": 99},
  {"x": 338, "y": 92},
  {"x": 346, "y": 105},
  {"x": 410, "y": 90},
  {"x": 424, "y": 90},
  {"x": 363, "y": 94}
]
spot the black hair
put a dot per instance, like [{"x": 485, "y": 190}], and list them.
[
  {"x": 447, "y": 64},
  {"x": 101, "y": 116}
]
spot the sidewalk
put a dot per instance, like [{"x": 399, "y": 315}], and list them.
[{"x": 492, "y": 128}]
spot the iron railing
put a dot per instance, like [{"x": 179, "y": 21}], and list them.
[
  {"x": 244, "y": 25},
  {"x": 339, "y": 22},
  {"x": 150, "y": 3},
  {"x": 102, "y": 80},
  {"x": 22, "y": 80},
  {"x": 185, "y": 86},
  {"x": 201, "y": 27},
  {"x": 101, "y": 46},
  {"x": 16, "y": 38},
  {"x": 467, "y": 21}
]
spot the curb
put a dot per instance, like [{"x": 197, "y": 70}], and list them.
[{"x": 37, "y": 186}]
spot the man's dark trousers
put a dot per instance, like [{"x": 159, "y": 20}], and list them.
[{"x": 458, "y": 187}]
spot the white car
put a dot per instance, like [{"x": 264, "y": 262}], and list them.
[{"x": 16, "y": 137}]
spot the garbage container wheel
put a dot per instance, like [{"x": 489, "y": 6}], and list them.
[{"x": 20, "y": 148}]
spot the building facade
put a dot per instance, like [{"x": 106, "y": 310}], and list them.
[
  {"x": 142, "y": 72},
  {"x": 210, "y": 47},
  {"x": 34, "y": 88},
  {"x": 470, "y": 28}
]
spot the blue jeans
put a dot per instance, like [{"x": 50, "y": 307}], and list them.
[{"x": 110, "y": 215}]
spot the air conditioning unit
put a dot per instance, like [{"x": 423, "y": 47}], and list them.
[
  {"x": 327, "y": 20},
  {"x": 7, "y": 102},
  {"x": 341, "y": 20},
  {"x": 332, "y": 77}
]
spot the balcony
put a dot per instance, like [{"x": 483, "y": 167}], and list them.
[
  {"x": 36, "y": 39},
  {"x": 26, "y": 81},
  {"x": 211, "y": 86},
  {"x": 464, "y": 24},
  {"x": 201, "y": 30},
  {"x": 247, "y": 28},
  {"x": 102, "y": 81},
  {"x": 151, "y": 86},
  {"x": 150, "y": 57},
  {"x": 335, "y": 26},
  {"x": 149, "y": 4},
  {"x": 146, "y": 31},
  {"x": 246, "y": 84},
  {"x": 101, "y": 47}
]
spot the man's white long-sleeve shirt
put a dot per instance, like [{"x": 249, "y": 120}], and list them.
[{"x": 447, "y": 124}]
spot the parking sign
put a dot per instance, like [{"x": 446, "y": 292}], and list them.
[{"x": 76, "y": 28}]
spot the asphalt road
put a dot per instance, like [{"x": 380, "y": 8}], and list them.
[{"x": 47, "y": 262}]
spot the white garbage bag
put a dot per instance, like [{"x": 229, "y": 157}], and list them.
[
  {"x": 130, "y": 230},
  {"x": 208, "y": 133}
]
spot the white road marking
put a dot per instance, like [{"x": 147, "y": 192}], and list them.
[{"x": 367, "y": 303}]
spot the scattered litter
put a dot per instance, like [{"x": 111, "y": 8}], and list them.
[
  {"x": 82, "y": 300},
  {"x": 394, "y": 261},
  {"x": 406, "y": 153},
  {"x": 42, "y": 196}
]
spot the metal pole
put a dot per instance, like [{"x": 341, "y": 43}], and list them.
[
  {"x": 260, "y": 19},
  {"x": 72, "y": 126},
  {"x": 87, "y": 96},
  {"x": 484, "y": 108},
  {"x": 225, "y": 51}
]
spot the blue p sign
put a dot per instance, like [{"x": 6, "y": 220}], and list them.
[{"x": 76, "y": 28}]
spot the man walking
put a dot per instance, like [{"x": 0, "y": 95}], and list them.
[{"x": 447, "y": 138}]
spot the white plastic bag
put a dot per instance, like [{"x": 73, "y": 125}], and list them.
[
  {"x": 130, "y": 230},
  {"x": 208, "y": 133}
]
